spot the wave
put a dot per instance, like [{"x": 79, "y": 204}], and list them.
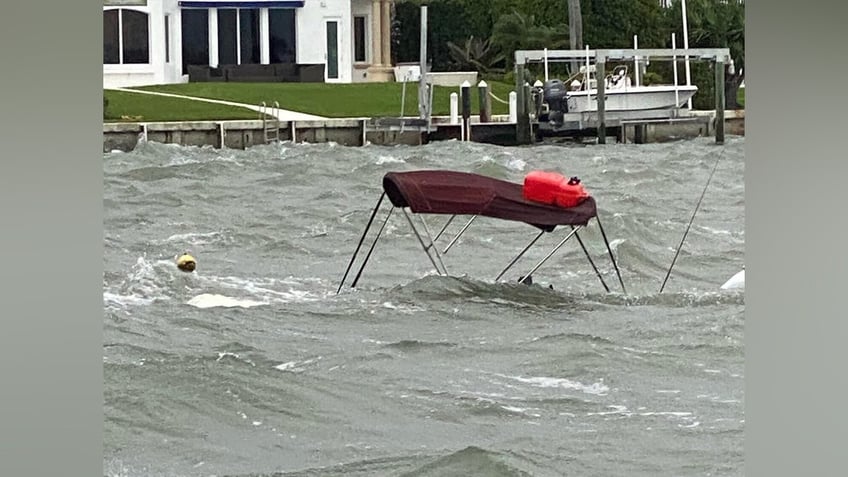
[
  {"x": 152, "y": 281},
  {"x": 435, "y": 288}
]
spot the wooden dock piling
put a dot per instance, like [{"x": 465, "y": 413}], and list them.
[
  {"x": 522, "y": 123},
  {"x": 602, "y": 126},
  {"x": 465, "y": 101},
  {"x": 719, "y": 98},
  {"x": 485, "y": 102}
]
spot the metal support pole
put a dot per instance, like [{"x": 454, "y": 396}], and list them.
[
  {"x": 362, "y": 239},
  {"x": 461, "y": 231},
  {"x": 552, "y": 252},
  {"x": 611, "y": 256},
  {"x": 719, "y": 99},
  {"x": 444, "y": 227},
  {"x": 421, "y": 241},
  {"x": 423, "y": 111},
  {"x": 433, "y": 244},
  {"x": 519, "y": 255},
  {"x": 373, "y": 244},
  {"x": 591, "y": 262}
]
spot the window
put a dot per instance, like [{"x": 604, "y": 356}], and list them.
[
  {"x": 195, "y": 32},
  {"x": 111, "y": 38},
  {"x": 281, "y": 29},
  {"x": 359, "y": 43},
  {"x": 167, "y": 39},
  {"x": 125, "y": 37},
  {"x": 227, "y": 39},
  {"x": 238, "y": 36},
  {"x": 249, "y": 35}
]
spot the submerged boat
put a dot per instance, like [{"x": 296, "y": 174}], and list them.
[
  {"x": 736, "y": 282},
  {"x": 544, "y": 202}
]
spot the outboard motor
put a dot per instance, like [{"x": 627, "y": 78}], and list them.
[
  {"x": 537, "y": 96},
  {"x": 555, "y": 97}
]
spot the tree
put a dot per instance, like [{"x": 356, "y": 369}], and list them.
[
  {"x": 476, "y": 54},
  {"x": 719, "y": 24},
  {"x": 517, "y": 31},
  {"x": 575, "y": 28}
]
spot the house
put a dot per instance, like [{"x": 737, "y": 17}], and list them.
[{"x": 166, "y": 41}]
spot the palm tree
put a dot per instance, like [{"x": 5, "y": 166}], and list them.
[
  {"x": 575, "y": 29},
  {"x": 720, "y": 24},
  {"x": 515, "y": 31},
  {"x": 477, "y": 55}
]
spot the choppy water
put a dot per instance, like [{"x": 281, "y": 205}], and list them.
[{"x": 412, "y": 374}]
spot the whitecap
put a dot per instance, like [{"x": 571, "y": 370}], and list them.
[
  {"x": 546, "y": 382},
  {"x": 212, "y": 300}
]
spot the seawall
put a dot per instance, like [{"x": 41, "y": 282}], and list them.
[{"x": 242, "y": 134}]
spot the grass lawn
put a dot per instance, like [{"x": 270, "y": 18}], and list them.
[
  {"x": 334, "y": 100},
  {"x": 330, "y": 100},
  {"x": 124, "y": 106}
]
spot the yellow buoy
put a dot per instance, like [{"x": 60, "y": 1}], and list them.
[{"x": 186, "y": 263}]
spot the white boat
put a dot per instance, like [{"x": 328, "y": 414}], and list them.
[
  {"x": 632, "y": 98},
  {"x": 579, "y": 94}
]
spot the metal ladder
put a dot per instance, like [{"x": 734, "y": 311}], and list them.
[{"x": 270, "y": 126}]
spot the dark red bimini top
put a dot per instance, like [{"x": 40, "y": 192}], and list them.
[{"x": 465, "y": 193}]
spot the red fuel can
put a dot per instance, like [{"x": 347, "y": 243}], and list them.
[{"x": 553, "y": 189}]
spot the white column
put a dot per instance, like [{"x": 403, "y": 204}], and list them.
[
  {"x": 177, "y": 40},
  {"x": 156, "y": 34},
  {"x": 376, "y": 27},
  {"x": 454, "y": 108},
  {"x": 264, "y": 37},
  {"x": 238, "y": 36},
  {"x": 686, "y": 46},
  {"x": 213, "y": 37},
  {"x": 386, "y": 33}
]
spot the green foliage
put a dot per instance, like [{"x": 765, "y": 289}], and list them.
[
  {"x": 447, "y": 21},
  {"x": 105, "y": 105},
  {"x": 703, "y": 75},
  {"x": 714, "y": 24},
  {"x": 517, "y": 31},
  {"x": 650, "y": 78},
  {"x": 476, "y": 55},
  {"x": 613, "y": 23}
]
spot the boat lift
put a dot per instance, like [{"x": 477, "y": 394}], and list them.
[{"x": 719, "y": 56}]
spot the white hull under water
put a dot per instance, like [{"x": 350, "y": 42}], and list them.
[
  {"x": 631, "y": 98},
  {"x": 213, "y": 300},
  {"x": 736, "y": 282}
]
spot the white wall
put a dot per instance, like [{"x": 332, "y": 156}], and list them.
[
  {"x": 172, "y": 70},
  {"x": 157, "y": 71},
  {"x": 311, "y": 41},
  {"x": 312, "y": 37},
  {"x": 361, "y": 8}
]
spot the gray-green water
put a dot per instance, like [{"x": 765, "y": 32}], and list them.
[{"x": 411, "y": 374}]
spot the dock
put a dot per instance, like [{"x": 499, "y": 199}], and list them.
[
  {"x": 520, "y": 127},
  {"x": 242, "y": 134},
  {"x": 601, "y": 119}
]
